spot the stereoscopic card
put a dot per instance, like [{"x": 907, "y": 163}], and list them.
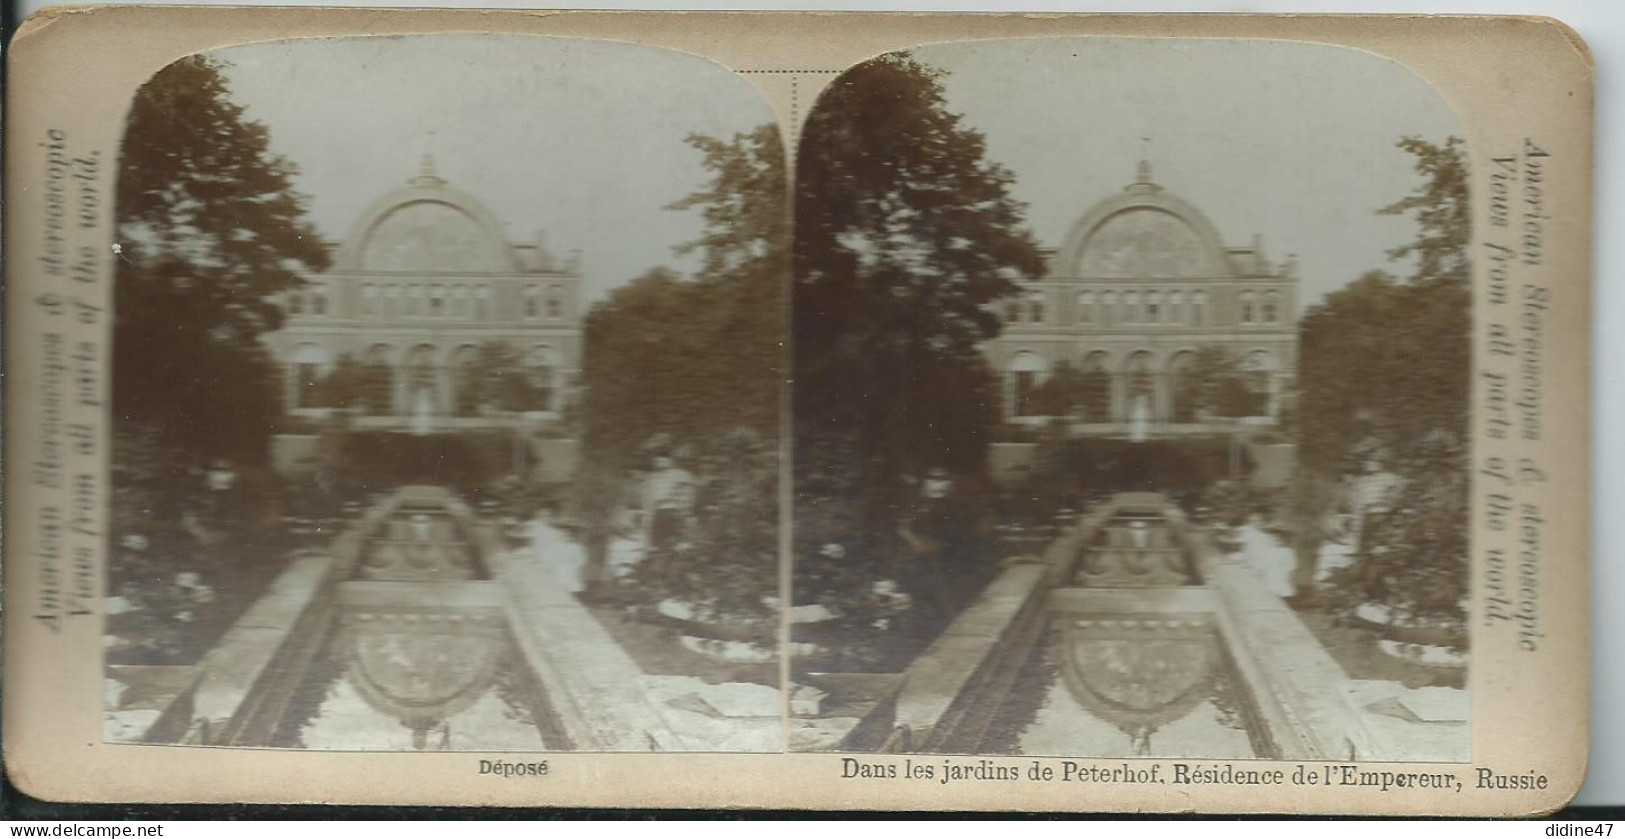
[{"x": 1057, "y": 413}]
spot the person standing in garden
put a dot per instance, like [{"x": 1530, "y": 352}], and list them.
[{"x": 668, "y": 507}]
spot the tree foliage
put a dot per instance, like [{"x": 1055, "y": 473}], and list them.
[
  {"x": 1385, "y": 376},
  {"x": 211, "y": 230},
  {"x": 700, "y": 360},
  {"x": 905, "y": 232},
  {"x": 344, "y": 386},
  {"x": 667, "y": 354},
  {"x": 503, "y": 380},
  {"x": 1061, "y": 394},
  {"x": 1216, "y": 385}
]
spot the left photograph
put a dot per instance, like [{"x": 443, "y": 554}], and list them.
[{"x": 446, "y": 399}]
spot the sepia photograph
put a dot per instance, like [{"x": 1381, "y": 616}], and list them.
[
  {"x": 1131, "y": 405},
  {"x": 445, "y": 397},
  {"x": 659, "y": 411}
]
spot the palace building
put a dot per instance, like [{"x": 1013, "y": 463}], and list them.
[
  {"x": 444, "y": 321},
  {"x": 1141, "y": 298}
]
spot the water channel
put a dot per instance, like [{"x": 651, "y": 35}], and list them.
[
  {"x": 405, "y": 645},
  {"x": 1129, "y": 659}
]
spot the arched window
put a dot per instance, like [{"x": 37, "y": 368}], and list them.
[
  {"x": 1176, "y": 307},
  {"x": 379, "y": 378},
  {"x": 540, "y": 371},
  {"x": 555, "y": 302},
  {"x": 437, "y": 301},
  {"x": 1249, "y": 307},
  {"x": 1271, "y": 307},
  {"x": 369, "y": 300},
  {"x": 1027, "y": 372},
  {"x": 1012, "y": 312},
  {"x": 1035, "y": 307},
  {"x": 309, "y": 365},
  {"x": 1198, "y": 308},
  {"x": 1086, "y": 307},
  {"x": 1153, "y": 307},
  {"x": 1184, "y": 388},
  {"x": 1258, "y": 374},
  {"x": 1139, "y": 386},
  {"x": 318, "y": 298},
  {"x": 1108, "y": 307},
  {"x": 533, "y": 303},
  {"x": 422, "y": 378},
  {"x": 465, "y": 382},
  {"x": 1095, "y": 389}
]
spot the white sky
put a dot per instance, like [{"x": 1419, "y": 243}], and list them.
[
  {"x": 1292, "y": 141},
  {"x": 583, "y": 140}
]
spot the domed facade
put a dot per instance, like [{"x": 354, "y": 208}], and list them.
[
  {"x": 423, "y": 295},
  {"x": 1142, "y": 288}
]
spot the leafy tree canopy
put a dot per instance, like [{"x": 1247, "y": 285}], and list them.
[
  {"x": 905, "y": 232},
  {"x": 685, "y": 357},
  {"x": 700, "y": 360},
  {"x": 211, "y": 231},
  {"x": 1385, "y": 375}
]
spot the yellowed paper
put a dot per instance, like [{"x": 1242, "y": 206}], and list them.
[{"x": 1002, "y": 412}]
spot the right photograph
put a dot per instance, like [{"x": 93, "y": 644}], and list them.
[{"x": 1131, "y": 405}]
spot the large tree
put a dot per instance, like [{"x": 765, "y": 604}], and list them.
[
  {"x": 905, "y": 232},
  {"x": 700, "y": 360},
  {"x": 689, "y": 356},
  {"x": 1385, "y": 375},
  {"x": 211, "y": 230}
]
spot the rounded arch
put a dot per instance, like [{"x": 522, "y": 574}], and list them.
[
  {"x": 1139, "y": 360},
  {"x": 1153, "y": 307},
  {"x": 1026, "y": 371},
  {"x": 553, "y": 301},
  {"x": 1108, "y": 307},
  {"x": 1127, "y": 236},
  {"x": 463, "y": 365},
  {"x": 1095, "y": 387},
  {"x": 310, "y": 352},
  {"x": 379, "y": 364},
  {"x": 382, "y": 353},
  {"x": 423, "y": 353},
  {"x": 423, "y": 374},
  {"x": 1199, "y": 311},
  {"x": 1139, "y": 383},
  {"x": 1027, "y": 361},
  {"x": 308, "y": 364},
  {"x": 1249, "y": 307},
  {"x": 542, "y": 372},
  {"x": 1084, "y": 307},
  {"x": 1184, "y": 388},
  {"x": 417, "y": 220},
  {"x": 1270, "y": 307},
  {"x": 1261, "y": 360},
  {"x": 1259, "y": 372}
]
